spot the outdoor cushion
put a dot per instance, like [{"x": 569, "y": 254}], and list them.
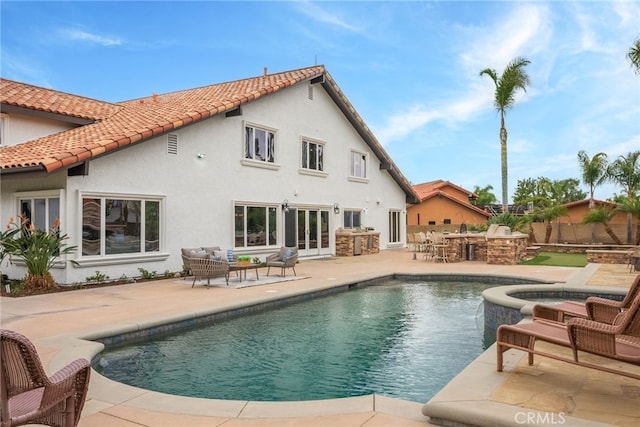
[
  {"x": 288, "y": 254},
  {"x": 198, "y": 254},
  {"x": 211, "y": 249}
]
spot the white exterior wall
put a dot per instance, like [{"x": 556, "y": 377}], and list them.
[
  {"x": 20, "y": 128},
  {"x": 199, "y": 194}
]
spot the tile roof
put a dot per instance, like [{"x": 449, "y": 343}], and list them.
[
  {"x": 129, "y": 122},
  {"x": 51, "y": 101},
  {"x": 429, "y": 189}
]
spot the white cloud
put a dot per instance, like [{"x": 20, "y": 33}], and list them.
[
  {"x": 524, "y": 32},
  {"x": 525, "y": 29},
  {"x": 317, "y": 13},
  {"x": 80, "y": 35}
]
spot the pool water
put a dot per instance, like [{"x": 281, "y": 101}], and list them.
[{"x": 403, "y": 340}]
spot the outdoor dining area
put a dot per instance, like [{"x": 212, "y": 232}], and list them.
[{"x": 498, "y": 245}]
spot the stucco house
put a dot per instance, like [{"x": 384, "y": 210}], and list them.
[
  {"x": 249, "y": 165},
  {"x": 576, "y": 211},
  {"x": 444, "y": 205}
]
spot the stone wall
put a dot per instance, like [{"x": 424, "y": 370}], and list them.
[
  {"x": 507, "y": 250},
  {"x": 608, "y": 257},
  {"x": 346, "y": 241}
]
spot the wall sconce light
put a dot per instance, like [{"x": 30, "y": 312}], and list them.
[
  {"x": 201, "y": 155},
  {"x": 336, "y": 208},
  {"x": 285, "y": 205}
]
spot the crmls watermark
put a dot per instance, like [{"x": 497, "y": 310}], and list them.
[{"x": 535, "y": 418}]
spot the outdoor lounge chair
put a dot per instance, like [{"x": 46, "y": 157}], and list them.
[
  {"x": 188, "y": 253},
  {"x": 205, "y": 268},
  {"x": 619, "y": 341},
  {"x": 29, "y": 396},
  {"x": 285, "y": 258},
  {"x": 595, "y": 308}
]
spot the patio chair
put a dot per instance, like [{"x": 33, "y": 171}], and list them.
[
  {"x": 29, "y": 396},
  {"x": 205, "y": 268},
  {"x": 595, "y": 308},
  {"x": 285, "y": 258},
  {"x": 187, "y": 253},
  {"x": 619, "y": 341}
]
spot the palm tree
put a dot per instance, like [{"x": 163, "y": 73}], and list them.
[
  {"x": 513, "y": 77},
  {"x": 485, "y": 196},
  {"x": 602, "y": 215},
  {"x": 548, "y": 215},
  {"x": 594, "y": 173},
  {"x": 625, "y": 171},
  {"x": 634, "y": 56},
  {"x": 632, "y": 206}
]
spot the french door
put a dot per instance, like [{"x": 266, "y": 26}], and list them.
[{"x": 308, "y": 229}]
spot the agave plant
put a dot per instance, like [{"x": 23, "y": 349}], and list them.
[{"x": 38, "y": 249}]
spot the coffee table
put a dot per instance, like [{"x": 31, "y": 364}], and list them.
[{"x": 243, "y": 268}]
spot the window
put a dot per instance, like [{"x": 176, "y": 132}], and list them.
[
  {"x": 394, "y": 227},
  {"x": 352, "y": 219},
  {"x": 255, "y": 226},
  {"x": 41, "y": 210},
  {"x": 358, "y": 164},
  {"x": 259, "y": 144},
  {"x": 446, "y": 221},
  {"x": 112, "y": 226},
  {"x": 312, "y": 155},
  {"x": 4, "y": 120}
]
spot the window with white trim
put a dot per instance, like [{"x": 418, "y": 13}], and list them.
[
  {"x": 358, "y": 164},
  {"x": 255, "y": 225},
  {"x": 4, "y": 120},
  {"x": 312, "y": 155},
  {"x": 394, "y": 227},
  {"x": 40, "y": 209},
  {"x": 113, "y": 225},
  {"x": 259, "y": 144},
  {"x": 352, "y": 218}
]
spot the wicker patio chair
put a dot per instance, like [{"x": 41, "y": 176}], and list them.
[
  {"x": 285, "y": 258},
  {"x": 619, "y": 341},
  {"x": 29, "y": 396},
  {"x": 595, "y": 308},
  {"x": 205, "y": 268}
]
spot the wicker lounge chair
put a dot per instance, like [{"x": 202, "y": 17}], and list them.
[
  {"x": 619, "y": 341},
  {"x": 29, "y": 396},
  {"x": 205, "y": 268},
  {"x": 285, "y": 258},
  {"x": 188, "y": 253},
  {"x": 596, "y": 308}
]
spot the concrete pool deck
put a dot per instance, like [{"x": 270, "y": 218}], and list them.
[{"x": 548, "y": 392}]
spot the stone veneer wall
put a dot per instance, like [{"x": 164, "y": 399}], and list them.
[
  {"x": 507, "y": 250},
  {"x": 345, "y": 242},
  {"x": 608, "y": 257}
]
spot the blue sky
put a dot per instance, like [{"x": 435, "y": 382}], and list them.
[{"x": 410, "y": 68}]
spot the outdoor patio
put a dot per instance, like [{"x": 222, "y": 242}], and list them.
[{"x": 583, "y": 397}]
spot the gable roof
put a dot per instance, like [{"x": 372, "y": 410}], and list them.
[
  {"x": 21, "y": 97},
  {"x": 429, "y": 189},
  {"x": 586, "y": 202},
  {"x": 119, "y": 125}
]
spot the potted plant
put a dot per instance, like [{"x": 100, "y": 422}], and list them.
[{"x": 244, "y": 260}]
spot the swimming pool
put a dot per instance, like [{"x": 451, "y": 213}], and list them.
[{"x": 404, "y": 340}]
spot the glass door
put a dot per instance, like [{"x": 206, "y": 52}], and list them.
[{"x": 308, "y": 229}]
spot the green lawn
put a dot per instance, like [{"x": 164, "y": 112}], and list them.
[{"x": 558, "y": 259}]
